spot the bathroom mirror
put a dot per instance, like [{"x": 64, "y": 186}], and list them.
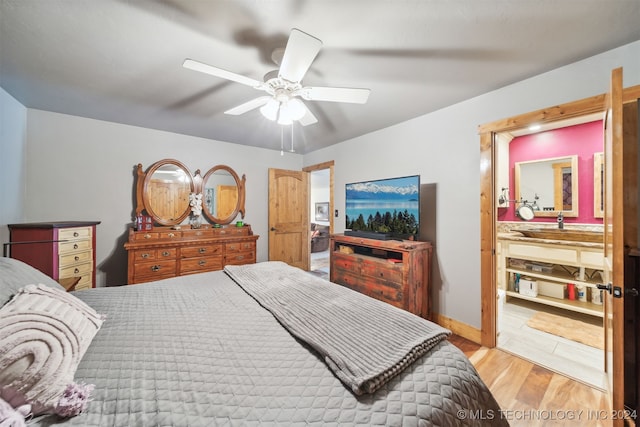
[
  {"x": 598, "y": 185},
  {"x": 165, "y": 190},
  {"x": 549, "y": 186},
  {"x": 222, "y": 195}
]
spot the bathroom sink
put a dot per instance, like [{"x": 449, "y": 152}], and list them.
[{"x": 563, "y": 234}]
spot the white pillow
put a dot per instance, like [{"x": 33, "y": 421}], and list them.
[{"x": 44, "y": 332}]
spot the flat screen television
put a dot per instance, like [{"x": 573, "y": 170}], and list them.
[{"x": 388, "y": 208}]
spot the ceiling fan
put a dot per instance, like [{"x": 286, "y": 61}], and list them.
[{"x": 284, "y": 86}]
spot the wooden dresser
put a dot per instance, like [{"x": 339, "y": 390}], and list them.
[
  {"x": 68, "y": 249},
  {"x": 393, "y": 271},
  {"x": 164, "y": 252}
]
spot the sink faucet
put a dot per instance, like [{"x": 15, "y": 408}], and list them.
[{"x": 560, "y": 221}]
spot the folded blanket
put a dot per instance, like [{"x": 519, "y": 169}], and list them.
[{"x": 365, "y": 342}]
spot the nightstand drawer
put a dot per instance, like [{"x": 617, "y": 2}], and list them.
[
  {"x": 66, "y": 260},
  {"x": 76, "y": 270},
  {"x": 75, "y": 233},
  {"x": 79, "y": 245}
]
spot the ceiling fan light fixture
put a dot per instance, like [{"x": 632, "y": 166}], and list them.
[
  {"x": 270, "y": 109},
  {"x": 294, "y": 108},
  {"x": 284, "y": 119}
]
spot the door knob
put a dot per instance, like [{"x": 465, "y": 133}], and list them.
[
  {"x": 606, "y": 287},
  {"x": 273, "y": 229},
  {"x": 633, "y": 292}
]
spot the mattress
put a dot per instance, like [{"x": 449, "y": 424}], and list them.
[{"x": 197, "y": 350}]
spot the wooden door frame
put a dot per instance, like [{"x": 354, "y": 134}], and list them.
[
  {"x": 320, "y": 166},
  {"x": 488, "y": 196}
]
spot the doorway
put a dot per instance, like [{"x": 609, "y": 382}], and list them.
[
  {"x": 539, "y": 320},
  {"x": 500, "y": 312},
  {"x": 321, "y": 217}
]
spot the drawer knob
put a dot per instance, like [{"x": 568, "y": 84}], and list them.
[
  {"x": 166, "y": 253},
  {"x": 202, "y": 250},
  {"x": 75, "y": 246},
  {"x": 147, "y": 236},
  {"x": 240, "y": 257},
  {"x": 77, "y": 258},
  {"x": 75, "y": 234},
  {"x": 171, "y": 235},
  {"x": 145, "y": 255},
  {"x": 202, "y": 262},
  {"x": 155, "y": 268},
  {"x": 75, "y": 270}
]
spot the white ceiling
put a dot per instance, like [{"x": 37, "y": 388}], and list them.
[{"x": 121, "y": 60}]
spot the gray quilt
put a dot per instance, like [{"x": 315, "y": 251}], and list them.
[
  {"x": 199, "y": 351},
  {"x": 364, "y": 341}
]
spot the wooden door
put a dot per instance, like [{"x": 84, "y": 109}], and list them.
[
  {"x": 614, "y": 244},
  {"x": 227, "y": 200},
  {"x": 289, "y": 228}
]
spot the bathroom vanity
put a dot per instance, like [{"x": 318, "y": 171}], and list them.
[{"x": 555, "y": 260}]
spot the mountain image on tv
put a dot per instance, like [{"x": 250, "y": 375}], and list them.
[{"x": 385, "y": 206}]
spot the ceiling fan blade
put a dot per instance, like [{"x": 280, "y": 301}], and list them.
[
  {"x": 335, "y": 94},
  {"x": 219, "y": 72},
  {"x": 308, "y": 118},
  {"x": 300, "y": 52},
  {"x": 248, "y": 106}
]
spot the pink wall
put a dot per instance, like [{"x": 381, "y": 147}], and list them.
[{"x": 583, "y": 140}]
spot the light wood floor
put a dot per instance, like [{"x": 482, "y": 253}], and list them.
[
  {"x": 559, "y": 354},
  {"x": 531, "y": 395}
]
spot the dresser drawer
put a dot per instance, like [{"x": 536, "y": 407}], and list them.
[
  {"x": 154, "y": 254},
  {"x": 69, "y": 259},
  {"x": 384, "y": 291},
  {"x": 240, "y": 258},
  {"x": 231, "y": 231},
  {"x": 76, "y": 270},
  {"x": 201, "y": 264},
  {"x": 200, "y": 250},
  {"x": 84, "y": 283},
  {"x": 388, "y": 272},
  {"x": 78, "y": 245},
  {"x": 75, "y": 233},
  {"x": 239, "y": 247},
  {"x": 154, "y": 270}
]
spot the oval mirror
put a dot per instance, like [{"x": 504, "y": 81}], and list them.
[
  {"x": 222, "y": 195},
  {"x": 166, "y": 190}
]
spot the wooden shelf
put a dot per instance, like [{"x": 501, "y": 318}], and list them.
[
  {"x": 555, "y": 277},
  {"x": 578, "y": 306}
]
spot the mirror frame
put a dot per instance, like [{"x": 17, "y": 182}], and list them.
[
  {"x": 142, "y": 194},
  {"x": 573, "y": 212},
  {"x": 598, "y": 184},
  {"x": 239, "y": 208}
]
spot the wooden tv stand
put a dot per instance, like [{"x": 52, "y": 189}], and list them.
[{"x": 393, "y": 271}]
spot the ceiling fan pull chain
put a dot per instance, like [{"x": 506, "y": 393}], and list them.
[
  {"x": 282, "y": 140},
  {"x": 292, "y": 150}
]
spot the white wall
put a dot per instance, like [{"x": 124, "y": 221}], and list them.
[
  {"x": 443, "y": 147},
  {"x": 13, "y": 140},
  {"x": 319, "y": 193},
  {"x": 83, "y": 169}
]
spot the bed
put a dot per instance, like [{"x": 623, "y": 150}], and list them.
[{"x": 209, "y": 349}]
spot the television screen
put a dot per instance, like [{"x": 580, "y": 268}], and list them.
[{"x": 390, "y": 206}]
